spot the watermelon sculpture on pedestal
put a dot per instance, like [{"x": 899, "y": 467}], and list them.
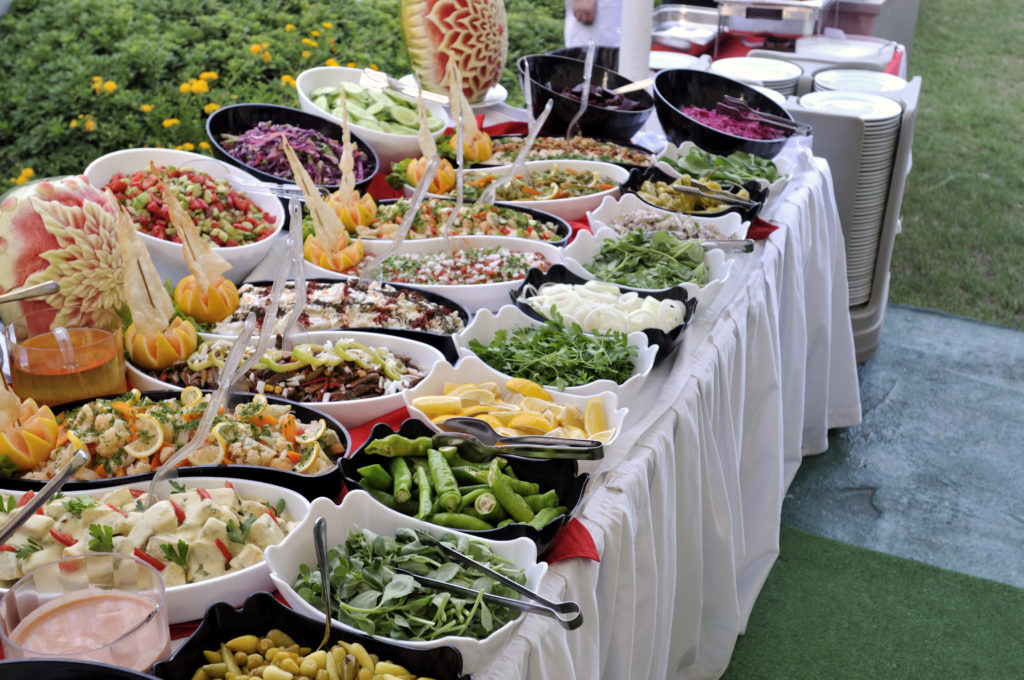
[
  {"x": 60, "y": 230},
  {"x": 473, "y": 32}
]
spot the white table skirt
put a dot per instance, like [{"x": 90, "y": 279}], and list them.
[{"x": 684, "y": 509}]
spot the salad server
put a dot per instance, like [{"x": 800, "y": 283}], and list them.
[
  {"x": 477, "y": 441},
  {"x": 38, "y": 290},
  {"x": 37, "y": 501}
]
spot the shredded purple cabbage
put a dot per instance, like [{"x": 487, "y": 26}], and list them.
[
  {"x": 751, "y": 129},
  {"x": 260, "y": 147}
]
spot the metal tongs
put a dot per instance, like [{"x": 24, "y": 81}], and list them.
[
  {"x": 79, "y": 459},
  {"x": 714, "y": 194},
  {"x": 38, "y": 290},
  {"x": 555, "y": 610},
  {"x": 474, "y": 449},
  {"x": 376, "y": 80},
  {"x": 588, "y": 70},
  {"x": 739, "y": 108}
]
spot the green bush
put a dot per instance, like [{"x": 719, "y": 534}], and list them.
[{"x": 86, "y": 77}]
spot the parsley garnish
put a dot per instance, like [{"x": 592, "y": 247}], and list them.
[
  {"x": 102, "y": 538},
  {"x": 140, "y": 506},
  {"x": 240, "y": 534},
  {"x": 27, "y": 549},
  {"x": 8, "y": 503},
  {"x": 79, "y": 503},
  {"x": 178, "y": 487},
  {"x": 178, "y": 555}
]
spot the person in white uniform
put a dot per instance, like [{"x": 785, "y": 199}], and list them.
[{"x": 597, "y": 20}]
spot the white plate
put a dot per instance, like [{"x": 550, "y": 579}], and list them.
[
  {"x": 758, "y": 69},
  {"x": 360, "y": 510},
  {"x": 472, "y": 369},
  {"x": 868, "y": 107},
  {"x": 586, "y": 246},
  {"x": 845, "y": 49},
  {"x": 189, "y": 602},
  {"x": 495, "y": 95},
  {"x": 472, "y": 297},
  {"x": 662, "y": 59},
  {"x": 168, "y": 257},
  {"x": 485, "y": 324},
  {"x": 783, "y": 164},
  {"x": 729, "y": 225},
  {"x": 860, "y": 80},
  {"x": 349, "y": 413},
  {"x": 567, "y": 208},
  {"x": 774, "y": 94}
]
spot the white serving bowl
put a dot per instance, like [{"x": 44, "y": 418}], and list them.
[
  {"x": 472, "y": 369},
  {"x": 349, "y": 413},
  {"x": 729, "y": 225},
  {"x": 784, "y": 165},
  {"x": 485, "y": 324},
  {"x": 168, "y": 257},
  {"x": 189, "y": 602},
  {"x": 390, "y": 148},
  {"x": 472, "y": 297},
  {"x": 587, "y": 246},
  {"x": 360, "y": 510},
  {"x": 566, "y": 208}
]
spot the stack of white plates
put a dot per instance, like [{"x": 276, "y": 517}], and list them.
[
  {"x": 882, "y": 118},
  {"x": 860, "y": 80},
  {"x": 775, "y": 74}
]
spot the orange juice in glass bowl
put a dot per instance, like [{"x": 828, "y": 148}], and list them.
[{"x": 55, "y": 365}]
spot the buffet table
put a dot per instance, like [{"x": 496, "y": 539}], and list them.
[{"x": 684, "y": 510}]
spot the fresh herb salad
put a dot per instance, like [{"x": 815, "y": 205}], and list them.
[
  {"x": 736, "y": 168},
  {"x": 559, "y": 356},
  {"x": 654, "y": 261},
  {"x": 547, "y": 185},
  {"x": 369, "y": 594}
]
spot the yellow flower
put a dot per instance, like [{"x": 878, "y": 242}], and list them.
[
  {"x": 208, "y": 75},
  {"x": 330, "y": 41},
  {"x": 374, "y": 67},
  {"x": 96, "y": 79},
  {"x": 255, "y": 49},
  {"x": 185, "y": 88},
  {"x": 178, "y": 147},
  {"x": 73, "y": 124},
  {"x": 199, "y": 86},
  {"x": 170, "y": 122},
  {"x": 306, "y": 54},
  {"x": 327, "y": 24},
  {"x": 309, "y": 41},
  {"x": 315, "y": 33},
  {"x": 287, "y": 80},
  {"x": 189, "y": 146},
  {"x": 266, "y": 56},
  {"x": 90, "y": 125},
  {"x": 332, "y": 62},
  {"x": 289, "y": 27},
  {"x": 210, "y": 108},
  {"x": 25, "y": 175},
  {"x": 204, "y": 145},
  {"x": 110, "y": 86},
  {"x": 146, "y": 108},
  {"x": 351, "y": 64}
]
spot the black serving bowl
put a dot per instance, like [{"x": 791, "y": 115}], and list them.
[
  {"x": 675, "y": 88},
  {"x": 757, "y": 191},
  {"x": 561, "y": 475},
  {"x": 666, "y": 342},
  {"x": 237, "y": 118},
  {"x": 66, "y": 669},
  {"x": 311, "y": 486},
  {"x": 604, "y": 56},
  {"x": 548, "y": 73},
  {"x": 562, "y": 228},
  {"x": 262, "y": 611}
]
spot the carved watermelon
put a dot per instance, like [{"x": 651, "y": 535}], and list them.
[
  {"x": 473, "y": 32},
  {"x": 60, "y": 230}
]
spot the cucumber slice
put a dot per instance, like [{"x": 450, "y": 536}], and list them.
[
  {"x": 357, "y": 111},
  {"x": 322, "y": 102},
  {"x": 403, "y": 129},
  {"x": 370, "y": 124},
  {"x": 374, "y": 108},
  {"x": 404, "y": 116},
  {"x": 352, "y": 88}
]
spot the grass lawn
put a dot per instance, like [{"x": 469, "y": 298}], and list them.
[{"x": 88, "y": 77}]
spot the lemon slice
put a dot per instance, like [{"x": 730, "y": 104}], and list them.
[
  {"x": 532, "y": 423},
  {"x": 453, "y": 390},
  {"x": 476, "y": 410},
  {"x": 190, "y": 395},
  {"x": 527, "y": 388},
  {"x": 136, "y": 395},
  {"x": 437, "y": 405},
  {"x": 502, "y": 417},
  {"x": 475, "y": 397},
  {"x": 573, "y": 418},
  {"x": 208, "y": 454},
  {"x": 261, "y": 401},
  {"x": 76, "y": 442},
  {"x": 305, "y": 465},
  {"x": 593, "y": 418},
  {"x": 312, "y": 433},
  {"x": 534, "y": 405},
  {"x": 149, "y": 437},
  {"x": 604, "y": 436},
  {"x": 490, "y": 420},
  {"x": 551, "y": 193},
  {"x": 227, "y": 432}
]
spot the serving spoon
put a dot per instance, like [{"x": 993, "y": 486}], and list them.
[
  {"x": 320, "y": 545},
  {"x": 588, "y": 69},
  {"x": 77, "y": 460}
]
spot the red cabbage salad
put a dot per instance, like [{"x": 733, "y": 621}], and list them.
[
  {"x": 751, "y": 129},
  {"x": 260, "y": 147}
]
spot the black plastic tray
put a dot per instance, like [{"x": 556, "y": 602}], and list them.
[
  {"x": 666, "y": 342},
  {"x": 561, "y": 475},
  {"x": 262, "y": 611},
  {"x": 311, "y": 486}
]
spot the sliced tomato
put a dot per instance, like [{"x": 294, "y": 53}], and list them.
[
  {"x": 203, "y": 493},
  {"x": 136, "y": 492},
  {"x": 7, "y": 548},
  {"x": 179, "y": 512},
  {"x": 62, "y": 537},
  {"x": 150, "y": 560}
]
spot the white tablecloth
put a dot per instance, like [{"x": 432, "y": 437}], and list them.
[{"x": 684, "y": 509}]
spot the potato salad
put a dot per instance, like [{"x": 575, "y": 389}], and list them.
[{"x": 193, "y": 535}]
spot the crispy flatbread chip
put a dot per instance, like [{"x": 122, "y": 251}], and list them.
[
  {"x": 147, "y": 298},
  {"x": 202, "y": 260},
  {"x": 327, "y": 226},
  {"x": 428, "y": 147},
  {"x": 347, "y": 161}
]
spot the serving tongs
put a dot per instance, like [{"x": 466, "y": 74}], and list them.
[
  {"x": 737, "y": 245},
  {"x": 490, "y": 192},
  {"x": 247, "y": 184},
  {"x": 740, "y": 109},
  {"x": 38, "y": 290},
  {"x": 376, "y": 80},
  {"x": 718, "y": 195},
  {"x": 588, "y": 70},
  {"x": 559, "y": 611},
  {"x": 479, "y": 442},
  {"x": 79, "y": 459}
]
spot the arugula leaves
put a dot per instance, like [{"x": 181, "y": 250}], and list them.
[
  {"x": 661, "y": 261},
  {"x": 102, "y": 538},
  {"x": 176, "y": 553},
  {"x": 736, "y": 168},
  {"x": 561, "y": 356}
]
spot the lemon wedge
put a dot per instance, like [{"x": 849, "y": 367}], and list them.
[
  {"x": 76, "y": 442},
  {"x": 475, "y": 397},
  {"x": 604, "y": 436},
  {"x": 190, "y": 395},
  {"x": 527, "y": 388},
  {"x": 312, "y": 433},
  {"x": 531, "y": 423},
  {"x": 136, "y": 395},
  {"x": 148, "y": 439},
  {"x": 438, "y": 405},
  {"x": 311, "y": 459},
  {"x": 593, "y": 418}
]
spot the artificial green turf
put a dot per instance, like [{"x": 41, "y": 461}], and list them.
[
  {"x": 963, "y": 215},
  {"x": 832, "y": 611}
]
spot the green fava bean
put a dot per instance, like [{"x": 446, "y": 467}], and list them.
[
  {"x": 402, "y": 479},
  {"x": 458, "y": 520},
  {"x": 546, "y": 515},
  {"x": 377, "y": 477},
  {"x": 396, "y": 445},
  {"x": 513, "y": 503}
]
